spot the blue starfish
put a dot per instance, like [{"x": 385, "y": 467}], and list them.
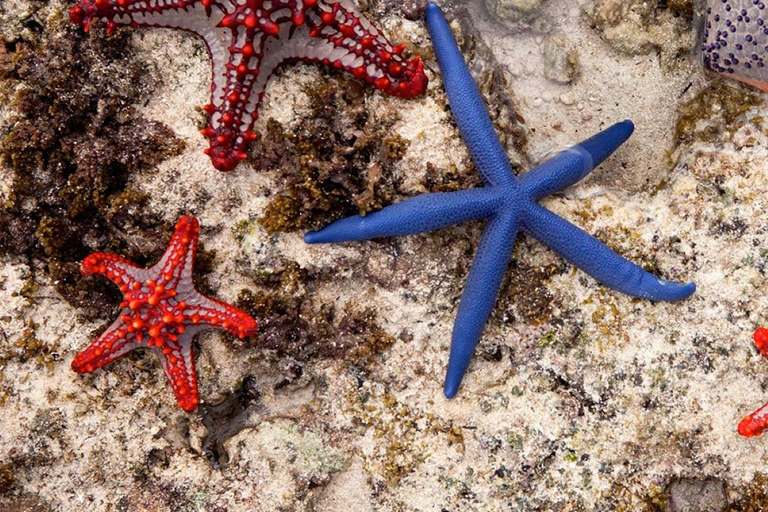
[{"x": 508, "y": 203}]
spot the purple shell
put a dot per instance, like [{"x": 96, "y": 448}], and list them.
[{"x": 734, "y": 39}]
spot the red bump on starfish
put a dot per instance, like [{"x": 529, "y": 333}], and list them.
[
  {"x": 755, "y": 423},
  {"x": 161, "y": 309},
  {"x": 248, "y": 39}
]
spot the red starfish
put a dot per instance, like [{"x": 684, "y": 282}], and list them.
[
  {"x": 161, "y": 310},
  {"x": 248, "y": 39},
  {"x": 754, "y": 424}
]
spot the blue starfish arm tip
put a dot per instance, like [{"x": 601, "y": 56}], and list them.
[
  {"x": 451, "y": 388},
  {"x": 458, "y": 363},
  {"x": 668, "y": 291},
  {"x": 432, "y": 9},
  {"x": 312, "y": 237},
  {"x": 573, "y": 164},
  {"x": 419, "y": 214},
  {"x": 597, "y": 259},
  {"x": 601, "y": 145}
]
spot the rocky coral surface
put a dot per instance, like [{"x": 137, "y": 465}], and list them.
[{"x": 579, "y": 398}]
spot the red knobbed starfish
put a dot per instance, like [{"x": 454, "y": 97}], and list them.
[
  {"x": 161, "y": 310},
  {"x": 248, "y": 39},
  {"x": 754, "y": 424}
]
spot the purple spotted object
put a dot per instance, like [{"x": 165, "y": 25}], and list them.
[{"x": 734, "y": 40}]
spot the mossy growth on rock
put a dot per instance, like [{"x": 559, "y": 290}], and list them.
[
  {"x": 716, "y": 112},
  {"x": 751, "y": 498},
  {"x": 338, "y": 162},
  {"x": 525, "y": 296},
  {"x": 642, "y": 27},
  {"x": 71, "y": 145},
  {"x": 292, "y": 323}
]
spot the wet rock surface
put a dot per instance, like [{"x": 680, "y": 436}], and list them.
[
  {"x": 578, "y": 398},
  {"x": 689, "y": 495}
]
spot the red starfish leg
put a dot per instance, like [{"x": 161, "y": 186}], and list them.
[
  {"x": 178, "y": 362},
  {"x": 117, "y": 269},
  {"x": 208, "y": 311},
  {"x": 113, "y": 343},
  {"x": 175, "y": 267},
  {"x": 345, "y": 39},
  {"x": 754, "y": 424}
]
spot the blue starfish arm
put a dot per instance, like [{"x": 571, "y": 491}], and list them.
[
  {"x": 573, "y": 164},
  {"x": 596, "y": 259},
  {"x": 467, "y": 105},
  {"x": 419, "y": 214},
  {"x": 479, "y": 297}
]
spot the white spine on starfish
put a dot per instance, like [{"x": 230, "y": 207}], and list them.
[
  {"x": 281, "y": 15},
  {"x": 374, "y": 71},
  {"x": 365, "y": 22},
  {"x": 338, "y": 53},
  {"x": 348, "y": 59}
]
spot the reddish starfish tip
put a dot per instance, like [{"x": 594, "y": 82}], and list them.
[
  {"x": 76, "y": 15},
  {"x": 751, "y": 425},
  {"x": 754, "y": 424},
  {"x": 761, "y": 339},
  {"x": 161, "y": 310}
]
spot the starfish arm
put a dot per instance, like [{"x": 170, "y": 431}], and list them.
[
  {"x": 174, "y": 270},
  {"x": 479, "y": 295},
  {"x": 112, "y": 344},
  {"x": 183, "y": 14},
  {"x": 340, "y": 36},
  {"x": 754, "y": 424},
  {"x": 597, "y": 259},
  {"x": 419, "y": 214},
  {"x": 178, "y": 363},
  {"x": 467, "y": 104},
  {"x": 573, "y": 164},
  {"x": 216, "y": 313},
  {"x": 117, "y": 269}
]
